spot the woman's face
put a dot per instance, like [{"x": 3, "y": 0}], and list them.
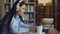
[{"x": 21, "y": 10}]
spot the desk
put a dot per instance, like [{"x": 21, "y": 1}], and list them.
[
  {"x": 35, "y": 33},
  {"x": 32, "y": 33}
]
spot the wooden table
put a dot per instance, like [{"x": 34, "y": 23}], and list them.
[{"x": 31, "y": 33}]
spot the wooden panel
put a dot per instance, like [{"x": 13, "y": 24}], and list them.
[{"x": 1, "y": 9}]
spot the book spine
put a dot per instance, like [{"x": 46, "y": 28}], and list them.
[
  {"x": 25, "y": 17},
  {"x": 32, "y": 8},
  {"x": 6, "y": 8},
  {"x": 28, "y": 7}
]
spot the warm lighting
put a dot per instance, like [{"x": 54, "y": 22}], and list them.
[
  {"x": 44, "y": 2},
  {"x": 47, "y": 20}
]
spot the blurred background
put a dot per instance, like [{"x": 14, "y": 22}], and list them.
[{"x": 38, "y": 12}]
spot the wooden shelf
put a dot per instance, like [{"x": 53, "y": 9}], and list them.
[
  {"x": 29, "y": 3},
  {"x": 28, "y": 12},
  {"x": 26, "y": 3},
  {"x": 7, "y": 3},
  {"x": 30, "y": 21}
]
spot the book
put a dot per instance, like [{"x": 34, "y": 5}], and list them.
[
  {"x": 7, "y": 0},
  {"x": 26, "y": 10},
  {"x": 48, "y": 26},
  {"x": 12, "y": 2},
  {"x": 30, "y": 8},
  {"x": 25, "y": 17},
  {"x": 31, "y": 16},
  {"x": 31, "y": 24},
  {"x": 7, "y": 7}
]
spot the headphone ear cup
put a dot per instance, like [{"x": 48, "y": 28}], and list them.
[{"x": 17, "y": 8}]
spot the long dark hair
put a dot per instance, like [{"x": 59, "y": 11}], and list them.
[
  {"x": 8, "y": 17},
  {"x": 13, "y": 10}
]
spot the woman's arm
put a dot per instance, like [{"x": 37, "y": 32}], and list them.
[{"x": 24, "y": 25}]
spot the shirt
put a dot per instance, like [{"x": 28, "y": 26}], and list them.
[{"x": 18, "y": 26}]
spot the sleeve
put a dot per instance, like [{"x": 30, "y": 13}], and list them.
[
  {"x": 24, "y": 25},
  {"x": 14, "y": 26},
  {"x": 18, "y": 26},
  {"x": 4, "y": 30}
]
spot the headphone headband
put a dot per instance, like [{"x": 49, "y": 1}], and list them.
[{"x": 17, "y": 6}]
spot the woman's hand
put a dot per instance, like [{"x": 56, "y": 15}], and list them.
[{"x": 32, "y": 29}]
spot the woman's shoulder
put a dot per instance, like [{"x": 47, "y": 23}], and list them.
[{"x": 6, "y": 18}]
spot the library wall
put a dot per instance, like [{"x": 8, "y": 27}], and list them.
[{"x": 2, "y": 13}]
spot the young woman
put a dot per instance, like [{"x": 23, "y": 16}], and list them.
[{"x": 12, "y": 23}]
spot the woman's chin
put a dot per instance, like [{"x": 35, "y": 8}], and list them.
[{"x": 21, "y": 14}]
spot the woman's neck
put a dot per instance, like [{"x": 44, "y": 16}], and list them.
[{"x": 18, "y": 14}]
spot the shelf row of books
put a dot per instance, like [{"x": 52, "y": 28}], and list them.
[
  {"x": 15, "y": 0},
  {"x": 30, "y": 8},
  {"x": 7, "y": 7},
  {"x": 28, "y": 17},
  {"x": 48, "y": 26},
  {"x": 29, "y": 1},
  {"x": 31, "y": 24},
  {"x": 58, "y": 12},
  {"x": 7, "y": 1}
]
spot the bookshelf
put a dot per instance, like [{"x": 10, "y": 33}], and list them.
[
  {"x": 58, "y": 15},
  {"x": 7, "y": 6},
  {"x": 43, "y": 11},
  {"x": 28, "y": 16},
  {"x": 29, "y": 3},
  {"x": 52, "y": 12},
  {"x": 29, "y": 11}
]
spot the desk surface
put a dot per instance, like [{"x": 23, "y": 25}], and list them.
[
  {"x": 35, "y": 33},
  {"x": 31, "y": 33}
]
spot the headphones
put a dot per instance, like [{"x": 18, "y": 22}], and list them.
[{"x": 17, "y": 6}]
